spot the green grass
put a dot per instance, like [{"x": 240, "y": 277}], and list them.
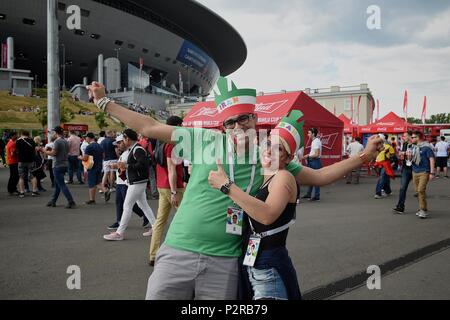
[{"x": 12, "y": 118}]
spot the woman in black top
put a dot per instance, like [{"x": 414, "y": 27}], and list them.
[{"x": 267, "y": 271}]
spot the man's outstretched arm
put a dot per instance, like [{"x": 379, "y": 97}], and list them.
[{"x": 145, "y": 125}]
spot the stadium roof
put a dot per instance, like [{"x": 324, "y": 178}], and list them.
[{"x": 202, "y": 27}]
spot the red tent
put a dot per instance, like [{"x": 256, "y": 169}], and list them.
[
  {"x": 390, "y": 123},
  {"x": 271, "y": 108},
  {"x": 348, "y": 126}
]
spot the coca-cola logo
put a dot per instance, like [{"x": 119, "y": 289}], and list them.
[
  {"x": 269, "y": 107},
  {"x": 204, "y": 112}
]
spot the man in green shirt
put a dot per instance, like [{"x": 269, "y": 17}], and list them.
[{"x": 199, "y": 258}]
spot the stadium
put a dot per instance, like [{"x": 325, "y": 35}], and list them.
[{"x": 181, "y": 46}]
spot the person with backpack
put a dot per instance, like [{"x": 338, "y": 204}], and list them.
[
  {"x": 169, "y": 173},
  {"x": 136, "y": 168}
]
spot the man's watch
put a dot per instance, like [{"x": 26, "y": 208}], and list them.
[
  {"x": 432, "y": 173},
  {"x": 174, "y": 193},
  {"x": 226, "y": 187}
]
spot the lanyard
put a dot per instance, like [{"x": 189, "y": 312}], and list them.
[
  {"x": 231, "y": 165},
  {"x": 271, "y": 232}
]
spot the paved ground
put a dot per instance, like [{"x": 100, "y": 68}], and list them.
[{"x": 334, "y": 239}]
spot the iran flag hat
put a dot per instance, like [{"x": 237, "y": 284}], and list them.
[
  {"x": 231, "y": 101},
  {"x": 290, "y": 129}
]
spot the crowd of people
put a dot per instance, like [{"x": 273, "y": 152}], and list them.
[{"x": 235, "y": 196}]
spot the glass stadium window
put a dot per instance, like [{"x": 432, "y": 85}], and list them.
[
  {"x": 85, "y": 13},
  {"x": 174, "y": 61},
  {"x": 2, "y": 16},
  {"x": 29, "y": 21},
  {"x": 118, "y": 43},
  {"x": 95, "y": 36},
  {"x": 157, "y": 54},
  {"x": 79, "y": 32},
  {"x": 61, "y": 6},
  {"x": 145, "y": 50},
  {"x": 83, "y": 65},
  {"x": 167, "y": 59},
  {"x": 59, "y": 27},
  {"x": 130, "y": 46}
]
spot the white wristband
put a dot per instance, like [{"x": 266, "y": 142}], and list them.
[{"x": 102, "y": 103}]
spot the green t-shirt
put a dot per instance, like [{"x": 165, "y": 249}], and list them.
[{"x": 200, "y": 222}]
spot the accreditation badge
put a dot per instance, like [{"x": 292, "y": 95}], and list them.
[
  {"x": 234, "y": 220},
  {"x": 252, "y": 251}
]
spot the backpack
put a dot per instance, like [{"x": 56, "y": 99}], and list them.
[{"x": 159, "y": 154}]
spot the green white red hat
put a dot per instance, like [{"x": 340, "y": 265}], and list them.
[
  {"x": 233, "y": 101},
  {"x": 290, "y": 129}
]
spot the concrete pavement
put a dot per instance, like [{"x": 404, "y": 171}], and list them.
[{"x": 341, "y": 235}]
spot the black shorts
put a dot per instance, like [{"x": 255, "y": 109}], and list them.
[{"x": 441, "y": 162}]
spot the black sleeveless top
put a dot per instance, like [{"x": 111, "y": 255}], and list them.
[{"x": 279, "y": 239}]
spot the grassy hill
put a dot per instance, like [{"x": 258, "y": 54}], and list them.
[{"x": 12, "y": 118}]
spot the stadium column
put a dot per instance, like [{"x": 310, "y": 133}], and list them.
[{"x": 53, "y": 117}]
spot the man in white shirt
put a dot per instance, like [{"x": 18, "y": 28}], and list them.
[
  {"x": 314, "y": 162},
  {"x": 353, "y": 149},
  {"x": 441, "y": 150}
]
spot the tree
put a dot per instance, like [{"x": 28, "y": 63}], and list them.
[
  {"x": 65, "y": 115},
  {"x": 100, "y": 119}
]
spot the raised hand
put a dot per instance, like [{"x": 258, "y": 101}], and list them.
[
  {"x": 96, "y": 90},
  {"x": 217, "y": 179},
  {"x": 373, "y": 147}
]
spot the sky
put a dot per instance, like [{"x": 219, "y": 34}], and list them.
[{"x": 297, "y": 44}]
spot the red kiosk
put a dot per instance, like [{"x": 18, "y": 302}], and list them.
[
  {"x": 271, "y": 108},
  {"x": 391, "y": 125}
]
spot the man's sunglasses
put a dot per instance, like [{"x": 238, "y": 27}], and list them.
[
  {"x": 242, "y": 120},
  {"x": 414, "y": 137}
]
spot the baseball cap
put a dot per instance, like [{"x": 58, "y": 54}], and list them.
[{"x": 118, "y": 139}]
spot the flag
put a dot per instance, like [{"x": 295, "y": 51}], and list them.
[
  {"x": 359, "y": 102},
  {"x": 334, "y": 109},
  {"x": 351, "y": 106},
  {"x": 405, "y": 105},
  {"x": 424, "y": 109},
  {"x": 378, "y": 110}
]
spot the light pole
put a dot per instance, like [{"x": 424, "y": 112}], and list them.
[
  {"x": 53, "y": 81},
  {"x": 117, "y": 52},
  {"x": 189, "y": 81},
  {"x": 64, "y": 66}
]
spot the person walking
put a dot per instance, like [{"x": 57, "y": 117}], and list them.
[
  {"x": 136, "y": 168},
  {"x": 383, "y": 162},
  {"x": 423, "y": 161},
  {"x": 94, "y": 173},
  {"x": 74, "y": 152},
  {"x": 442, "y": 149},
  {"x": 50, "y": 145},
  {"x": 13, "y": 163},
  {"x": 314, "y": 162},
  {"x": 353, "y": 149},
  {"x": 109, "y": 149},
  {"x": 60, "y": 154},
  {"x": 405, "y": 157},
  {"x": 122, "y": 186},
  {"x": 26, "y": 149},
  {"x": 169, "y": 177}
]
